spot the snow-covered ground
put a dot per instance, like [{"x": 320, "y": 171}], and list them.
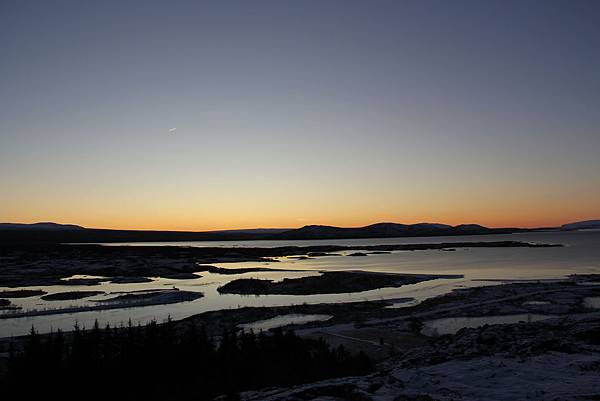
[
  {"x": 552, "y": 359},
  {"x": 550, "y": 376}
]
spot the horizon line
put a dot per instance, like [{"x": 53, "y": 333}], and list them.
[{"x": 288, "y": 228}]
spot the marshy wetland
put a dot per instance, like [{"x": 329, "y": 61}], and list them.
[
  {"x": 410, "y": 308},
  {"x": 56, "y": 287}
]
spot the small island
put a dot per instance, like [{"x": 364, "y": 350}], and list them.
[
  {"x": 326, "y": 283},
  {"x": 70, "y": 295},
  {"x": 21, "y": 293}
]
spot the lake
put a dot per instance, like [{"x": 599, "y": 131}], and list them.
[{"x": 480, "y": 266}]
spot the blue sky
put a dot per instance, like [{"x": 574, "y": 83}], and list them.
[{"x": 293, "y": 112}]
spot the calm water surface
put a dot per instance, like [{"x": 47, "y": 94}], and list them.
[
  {"x": 451, "y": 325},
  {"x": 283, "y": 320},
  {"x": 580, "y": 255}
]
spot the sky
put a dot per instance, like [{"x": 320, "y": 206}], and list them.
[{"x": 201, "y": 115}]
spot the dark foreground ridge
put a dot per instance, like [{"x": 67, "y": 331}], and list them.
[{"x": 166, "y": 362}]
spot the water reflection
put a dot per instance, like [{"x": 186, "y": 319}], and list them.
[
  {"x": 283, "y": 320},
  {"x": 451, "y": 325},
  {"x": 582, "y": 255}
]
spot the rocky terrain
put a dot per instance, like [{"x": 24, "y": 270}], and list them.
[{"x": 553, "y": 359}]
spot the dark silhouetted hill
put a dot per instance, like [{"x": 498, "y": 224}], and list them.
[
  {"x": 65, "y": 233},
  {"x": 582, "y": 225},
  {"x": 46, "y": 226},
  {"x": 385, "y": 230}
]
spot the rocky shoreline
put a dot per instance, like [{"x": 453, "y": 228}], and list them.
[
  {"x": 556, "y": 358},
  {"x": 128, "y": 300},
  {"x": 472, "y": 364}
]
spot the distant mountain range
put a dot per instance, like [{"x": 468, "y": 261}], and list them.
[
  {"x": 53, "y": 232},
  {"x": 582, "y": 225},
  {"x": 69, "y": 233},
  {"x": 45, "y": 226},
  {"x": 385, "y": 230}
]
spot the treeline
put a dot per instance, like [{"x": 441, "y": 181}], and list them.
[{"x": 162, "y": 361}]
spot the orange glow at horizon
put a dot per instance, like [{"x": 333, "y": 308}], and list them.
[
  {"x": 349, "y": 117},
  {"x": 130, "y": 217},
  {"x": 237, "y": 202}
]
